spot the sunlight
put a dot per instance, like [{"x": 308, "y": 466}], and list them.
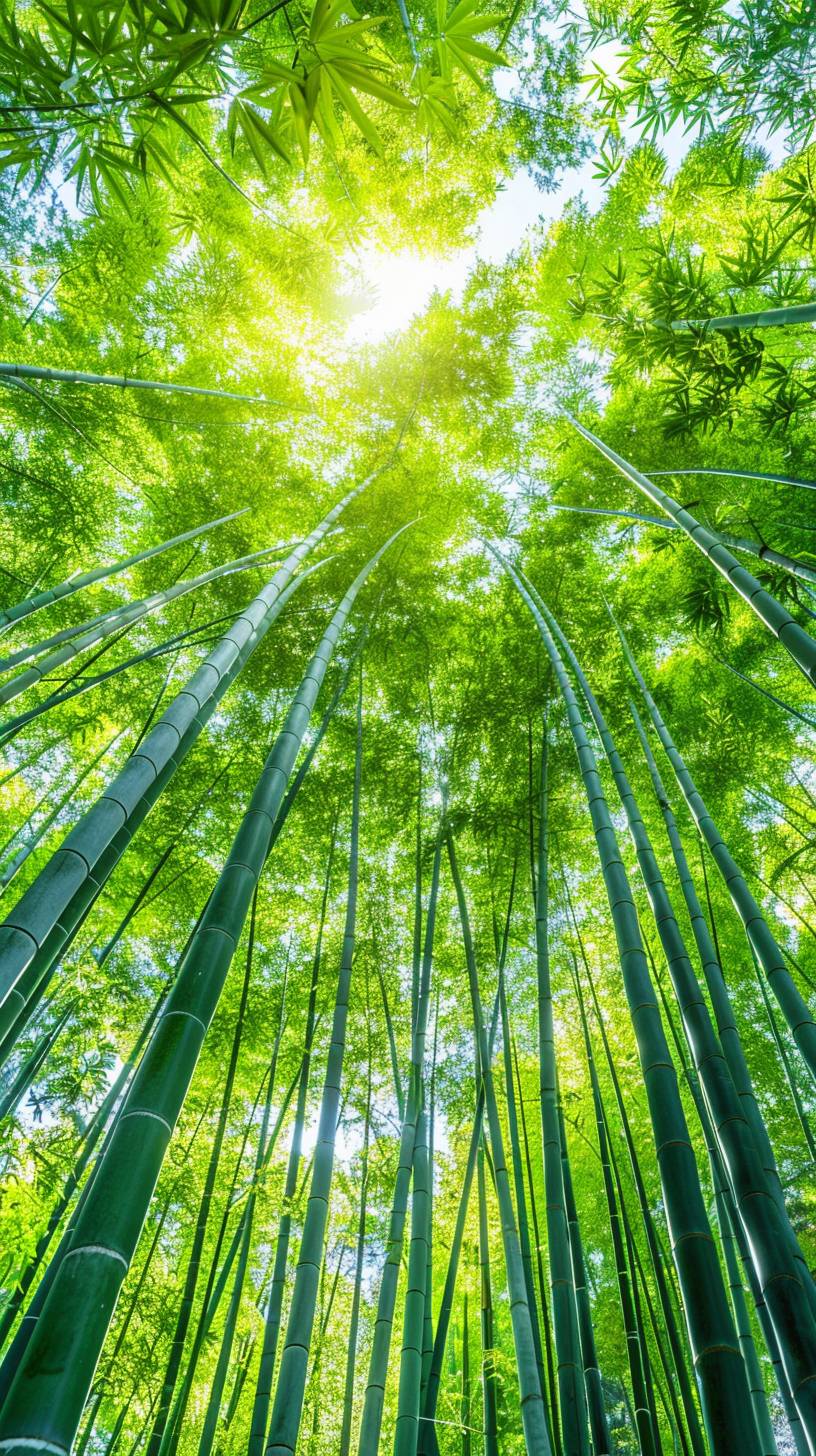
[{"x": 401, "y": 285}]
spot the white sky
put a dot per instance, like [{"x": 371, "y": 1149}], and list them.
[{"x": 404, "y": 282}]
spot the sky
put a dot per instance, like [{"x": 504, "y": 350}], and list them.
[{"x": 403, "y": 282}]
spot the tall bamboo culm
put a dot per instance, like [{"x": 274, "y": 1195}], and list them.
[
  {"x": 763, "y": 942},
  {"x": 571, "y": 1393},
  {"x": 287, "y": 1406},
  {"x": 371, "y": 1423},
  {"x": 783, "y": 1277},
  {"x": 51, "y": 1385},
  {"x": 531, "y": 1399},
  {"x": 717, "y": 1357},
  {"x": 40, "y": 909}
]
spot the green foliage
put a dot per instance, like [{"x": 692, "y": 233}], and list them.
[{"x": 160, "y": 221}]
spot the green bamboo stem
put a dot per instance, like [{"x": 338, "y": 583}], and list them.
[
  {"x": 105, "y": 626},
  {"x": 533, "y": 1415},
  {"x": 185, "y": 1308},
  {"x": 30, "y": 984},
  {"x": 760, "y": 936},
  {"x": 798, "y": 643},
  {"x": 736, "y": 543},
  {"x": 416, "y": 957},
  {"x": 86, "y": 684},
  {"x": 92, "y": 1135},
  {"x": 427, "y": 1325},
  {"x": 359, "y": 1257},
  {"x": 490, "y": 1394},
  {"x": 515, "y": 1142},
  {"x": 571, "y": 1391},
  {"x": 715, "y": 983},
  {"x": 28, "y": 605},
  {"x": 772, "y": 698},
  {"x": 46, "y": 1400},
  {"x": 208, "y": 1430},
  {"x": 427, "y": 1445},
  {"x": 121, "y": 381},
  {"x": 34, "y": 840},
  {"x": 467, "y": 1446},
  {"x": 371, "y": 1423},
  {"x": 218, "y": 1276},
  {"x": 246, "y": 1352},
  {"x": 266, "y": 1368},
  {"x": 647, "y": 1434},
  {"x": 121, "y": 613},
  {"x": 34, "y": 757},
  {"x": 687, "y": 1421},
  {"x": 40, "y": 909},
  {"x": 790, "y": 1077},
  {"x": 392, "y": 1045},
  {"x": 681, "y": 1436},
  {"x": 518, "y": 1182},
  {"x": 20, "y": 1084},
  {"x": 29, "y": 1322},
  {"x": 768, "y": 1233},
  {"x": 551, "y": 1387},
  {"x": 724, "y": 1204},
  {"x": 141, "y": 900},
  {"x": 716, "y": 1354},
  {"x": 288, "y": 1402},
  {"x": 409, "y": 1397},
  {"x": 133, "y": 1304},
  {"x": 799, "y": 313},
  {"x": 598, "y": 1424},
  {"x": 741, "y": 475}
]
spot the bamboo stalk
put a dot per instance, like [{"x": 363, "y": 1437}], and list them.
[
  {"x": 287, "y": 1406},
  {"x": 39, "y": 910},
  {"x": 717, "y": 1358},
  {"x": 29, "y": 605},
  {"x": 758, "y": 932},
  {"x": 798, "y": 643},
  {"x": 46, "y": 1400}
]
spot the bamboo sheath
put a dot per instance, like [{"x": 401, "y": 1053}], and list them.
[{"x": 52, "y": 1382}]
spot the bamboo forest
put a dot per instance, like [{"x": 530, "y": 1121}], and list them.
[{"x": 407, "y": 728}]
